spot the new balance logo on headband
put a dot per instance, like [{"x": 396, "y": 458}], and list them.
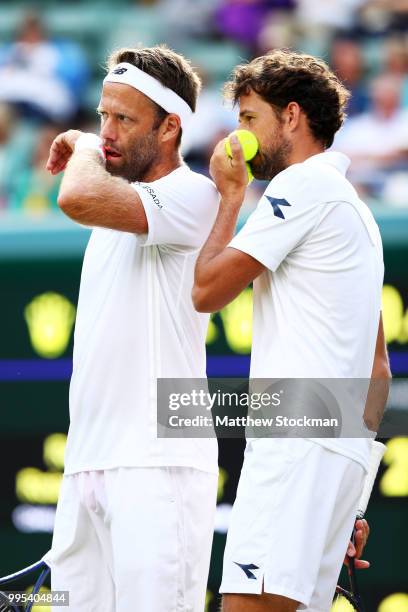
[{"x": 128, "y": 74}]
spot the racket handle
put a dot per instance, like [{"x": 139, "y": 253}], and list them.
[{"x": 377, "y": 453}]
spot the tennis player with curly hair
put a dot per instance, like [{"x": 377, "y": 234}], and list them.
[{"x": 314, "y": 253}]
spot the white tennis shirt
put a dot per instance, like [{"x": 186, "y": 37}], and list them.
[
  {"x": 136, "y": 322},
  {"x": 317, "y": 306}
]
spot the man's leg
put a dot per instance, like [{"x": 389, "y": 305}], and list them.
[
  {"x": 258, "y": 603},
  {"x": 197, "y": 495},
  {"x": 161, "y": 521},
  {"x": 290, "y": 524},
  {"x": 77, "y": 560}
]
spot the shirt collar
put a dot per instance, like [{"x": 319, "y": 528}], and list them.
[{"x": 340, "y": 161}]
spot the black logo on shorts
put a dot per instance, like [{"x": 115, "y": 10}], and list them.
[
  {"x": 247, "y": 569},
  {"x": 120, "y": 71}
]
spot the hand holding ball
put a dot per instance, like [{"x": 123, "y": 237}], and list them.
[{"x": 249, "y": 144}]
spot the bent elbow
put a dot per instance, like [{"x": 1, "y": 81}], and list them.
[
  {"x": 382, "y": 370},
  {"x": 69, "y": 203},
  {"x": 64, "y": 201},
  {"x": 201, "y": 299}
]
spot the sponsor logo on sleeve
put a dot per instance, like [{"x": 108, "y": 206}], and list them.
[
  {"x": 276, "y": 203},
  {"x": 153, "y": 195}
]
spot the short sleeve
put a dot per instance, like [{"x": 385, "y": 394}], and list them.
[
  {"x": 180, "y": 209},
  {"x": 284, "y": 216}
]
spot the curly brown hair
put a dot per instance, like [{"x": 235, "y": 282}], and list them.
[{"x": 283, "y": 76}]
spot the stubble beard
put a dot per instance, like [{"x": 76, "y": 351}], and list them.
[
  {"x": 138, "y": 160},
  {"x": 272, "y": 161}
]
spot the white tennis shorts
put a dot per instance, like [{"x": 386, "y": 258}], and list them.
[
  {"x": 292, "y": 521},
  {"x": 131, "y": 539}
]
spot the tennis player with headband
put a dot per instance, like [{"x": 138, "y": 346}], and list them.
[{"x": 134, "y": 521}]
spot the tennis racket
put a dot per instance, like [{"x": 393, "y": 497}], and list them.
[
  {"x": 11, "y": 604},
  {"x": 353, "y": 595}
]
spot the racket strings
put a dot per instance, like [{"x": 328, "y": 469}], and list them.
[{"x": 5, "y": 605}]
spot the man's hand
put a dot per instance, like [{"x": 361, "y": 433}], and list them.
[
  {"x": 229, "y": 174},
  {"x": 61, "y": 150},
  {"x": 222, "y": 273},
  {"x": 360, "y": 540}
]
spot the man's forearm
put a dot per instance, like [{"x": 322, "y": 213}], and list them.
[
  {"x": 379, "y": 384},
  {"x": 222, "y": 273},
  {"x": 377, "y": 397},
  {"x": 220, "y": 236},
  {"x": 91, "y": 196},
  {"x": 84, "y": 179}
]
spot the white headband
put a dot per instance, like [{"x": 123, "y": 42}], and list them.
[{"x": 148, "y": 85}]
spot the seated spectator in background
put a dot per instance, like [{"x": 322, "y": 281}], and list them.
[
  {"x": 16, "y": 142},
  {"x": 43, "y": 78},
  {"x": 36, "y": 190},
  {"x": 243, "y": 20},
  {"x": 348, "y": 63},
  {"x": 377, "y": 141},
  {"x": 385, "y": 15},
  {"x": 396, "y": 63},
  {"x": 6, "y": 129},
  {"x": 196, "y": 21},
  {"x": 322, "y": 13},
  {"x": 211, "y": 121},
  {"x": 319, "y": 20}
]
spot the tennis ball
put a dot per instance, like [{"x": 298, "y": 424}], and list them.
[
  {"x": 248, "y": 141},
  {"x": 250, "y": 175}
]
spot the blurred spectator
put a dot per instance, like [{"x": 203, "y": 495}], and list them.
[
  {"x": 338, "y": 15},
  {"x": 396, "y": 63},
  {"x": 36, "y": 190},
  {"x": 212, "y": 121},
  {"x": 385, "y": 15},
  {"x": 6, "y": 128},
  {"x": 243, "y": 20},
  {"x": 186, "y": 20},
  {"x": 347, "y": 62},
  {"x": 278, "y": 30},
  {"x": 16, "y": 141},
  {"x": 377, "y": 141},
  {"x": 42, "y": 77},
  {"x": 318, "y": 20}
]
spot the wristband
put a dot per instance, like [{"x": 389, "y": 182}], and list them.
[{"x": 90, "y": 141}]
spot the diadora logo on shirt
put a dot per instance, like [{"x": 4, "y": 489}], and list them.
[
  {"x": 152, "y": 193},
  {"x": 276, "y": 203},
  {"x": 246, "y": 568},
  {"x": 120, "y": 71}
]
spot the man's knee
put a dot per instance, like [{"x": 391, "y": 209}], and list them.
[{"x": 258, "y": 603}]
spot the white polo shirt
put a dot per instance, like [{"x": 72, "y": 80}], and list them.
[
  {"x": 135, "y": 323},
  {"x": 317, "y": 306}
]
